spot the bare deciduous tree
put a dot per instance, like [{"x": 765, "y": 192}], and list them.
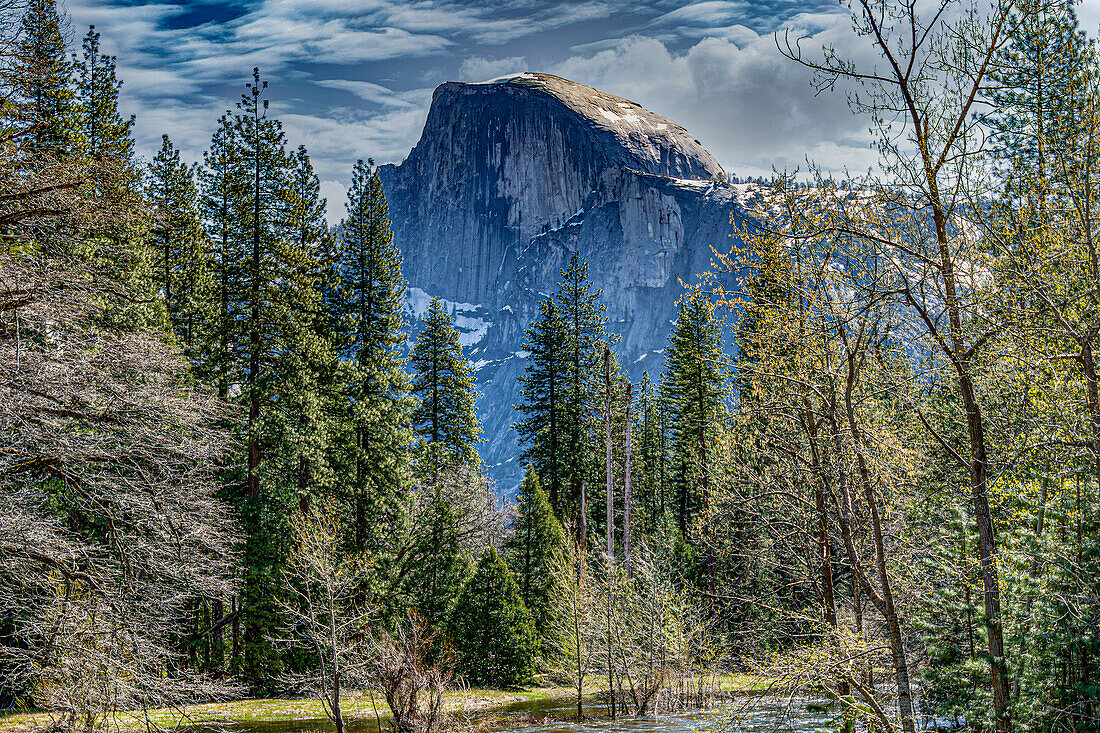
[
  {"x": 572, "y": 636},
  {"x": 110, "y": 524},
  {"x": 412, "y": 671},
  {"x": 323, "y": 607},
  {"x": 936, "y": 63}
]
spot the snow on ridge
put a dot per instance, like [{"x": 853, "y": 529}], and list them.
[
  {"x": 629, "y": 119},
  {"x": 507, "y": 78},
  {"x": 693, "y": 182}
]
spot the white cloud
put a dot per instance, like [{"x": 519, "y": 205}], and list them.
[
  {"x": 745, "y": 102},
  {"x": 1088, "y": 12},
  {"x": 378, "y": 94},
  {"x": 335, "y": 194},
  {"x": 698, "y": 64},
  {"x": 482, "y": 68}
]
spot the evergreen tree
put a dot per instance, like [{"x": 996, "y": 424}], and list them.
[
  {"x": 492, "y": 630},
  {"x": 542, "y": 387},
  {"x": 562, "y": 391},
  {"x": 308, "y": 378},
  {"x": 262, "y": 211},
  {"x": 179, "y": 246},
  {"x": 371, "y": 298},
  {"x": 583, "y": 315},
  {"x": 104, "y": 138},
  {"x": 104, "y": 133},
  {"x": 221, "y": 180},
  {"x": 650, "y": 473},
  {"x": 443, "y": 382},
  {"x": 1039, "y": 75},
  {"x": 534, "y": 550},
  {"x": 37, "y": 84},
  {"x": 263, "y": 174},
  {"x": 438, "y": 566},
  {"x": 693, "y": 391}
]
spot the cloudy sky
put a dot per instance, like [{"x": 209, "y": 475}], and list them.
[{"x": 354, "y": 78}]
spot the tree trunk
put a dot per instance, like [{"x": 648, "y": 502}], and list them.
[
  {"x": 626, "y": 482},
  {"x": 889, "y": 611},
  {"x": 610, "y": 465},
  {"x": 583, "y": 531},
  {"x": 235, "y": 655},
  {"x": 337, "y": 715},
  {"x": 254, "y": 343}
]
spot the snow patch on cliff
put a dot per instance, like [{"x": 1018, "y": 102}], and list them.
[
  {"x": 418, "y": 302},
  {"x": 693, "y": 182},
  {"x": 471, "y": 329},
  {"x": 471, "y": 326},
  {"x": 629, "y": 119}
]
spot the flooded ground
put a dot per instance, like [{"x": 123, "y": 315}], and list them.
[{"x": 746, "y": 715}]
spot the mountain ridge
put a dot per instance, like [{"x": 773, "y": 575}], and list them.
[{"x": 508, "y": 179}]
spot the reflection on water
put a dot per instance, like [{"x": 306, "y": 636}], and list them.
[{"x": 747, "y": 715}]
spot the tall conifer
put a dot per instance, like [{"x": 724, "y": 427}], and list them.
[
  {"x": 104, "y": 132},
  {"x": 1040, "y": 73},
  {"x": 371, "y": 298},
  {"x": 262, "y": 210},
  {"x": 694, "y": 394},
  {"x": 179, "y": 247},
  {"x": 650, "y": 459},
  {"x": 542, "y": 388},
  {"x": 38, "y": 84},
  {"x": 443, "y": 382},
  {"x": 534, "y": 550},
  {"x": 221, "y": 178},
  {"x": 562, "y": 390},
  {"x": 583, "y": 315}
]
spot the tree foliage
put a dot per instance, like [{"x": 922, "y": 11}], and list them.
[{"x": 491, "y": 628}]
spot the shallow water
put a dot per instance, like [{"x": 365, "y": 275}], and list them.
[{"x": 747, "y": 715}]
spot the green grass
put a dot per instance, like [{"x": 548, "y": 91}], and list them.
[
  {"x": 275, "y": 710},
  {"x": 355, "y": 705}
]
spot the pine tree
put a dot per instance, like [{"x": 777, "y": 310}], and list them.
[
  {"x": 264, "y": 168},
  {"x": 179, "y": 247},
  {"x": 542, "y": 387},
  {"x": 583, "y": 315},
  {"x": 221, "y": 180},
  {"x": 104, "y": 139},
  {"x": 562, "y": 390},
  {"x": 263, "y": 213},
  {"x": 443, "y": 382},
  {"x": 37, "y": 84},
  {"x": 371, "y": 298},
  {"x": 438, "y": 566},
  {"x": 1039, "y": 75},
  {"x": 307, "y": 378},
  {"x": 534, "y": 549},
  {"x": 693, "y": 391},
  {"x": 493, "y": 634},
  {"x": 104, "y": 133},
  {"x": 650, "y": 459}
]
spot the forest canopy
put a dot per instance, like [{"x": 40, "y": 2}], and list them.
[{"x": 869, "y": 469}]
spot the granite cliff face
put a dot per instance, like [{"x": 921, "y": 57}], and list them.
[{"x": 508, "y": 179}]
